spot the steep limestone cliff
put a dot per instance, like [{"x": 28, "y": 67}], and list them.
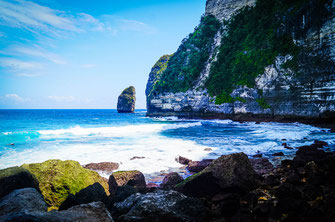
[
  {"x": 297, "y": 77},
  {"x": 126, "y": 101}
]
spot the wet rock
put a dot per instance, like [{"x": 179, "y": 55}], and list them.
[
  {"x": 103, "y": 166},
  {"x": 278, "y": 154},
  {"x": 92, "y": 193},
  {"x": 26, "y": 199},
  {"x": 229, "y": 172},
  {"x": 14, "y": 178},
  {"x": 161, "y": 206},
  {"x": 208, "y": 149},
  {"x": 122, "y": 193},
  {"x": 126, "y": 101},
  {"x": 92, "y": 212},
  {"x": 58, "y": 179},
  {"x": 132, "y": 178},
  {"x": 319, "y": 144},
  {"x": 137, "y": 158},
  {"x": 182, "y": 160},
  {"x": 286, "y": 146},
  {"x": 171, "y": 180},
  {"x": 259, "y": 155},
  {"x": 197, "y": 166},
  {"x": 112, "y": 184},
  {"x": 262, "y": 166}
]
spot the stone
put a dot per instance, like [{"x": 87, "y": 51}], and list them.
[
  {"x": 197, "y": 166},
  {"x": 126, "y": 101},
  {"x": 26, "y": 199},
  {"x": 132, "y": 178},
  {"x": 171, "y": 180},
  {"x": 14, "y": 178},
  {"x": 182, "y": 160},
  {"x": 92, "y": 193},
  {"x": 161, "y": 206},
  {"x": 122, "y": 193},
  {"x": 112, "y": 185},
  {"x": 208, "y": 149},
  {"x": 137, "y": 158},
  {"x": 261, "y": 166},
  {"x": 278, "y": 154},
  {"x": 92, "y": 212},
  {"x": 229, "y": 172},
  {"x": 58, "y": 179},
  {"x": 103, "y": 166}
]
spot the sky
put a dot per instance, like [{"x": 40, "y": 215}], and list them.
[{"x": 81, "y": 54}]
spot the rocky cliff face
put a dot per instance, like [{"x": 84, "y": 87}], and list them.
[
  {"x": 280, "y": 92},
  {"x": 126, "y": 101}
]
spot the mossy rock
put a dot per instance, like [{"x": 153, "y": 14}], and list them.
[
  {"x": 133, "y": 178},
  {"x": 57, "y": 179},
  {"x": 126, "y": 101},
  {"x": 14, "y": 178}
]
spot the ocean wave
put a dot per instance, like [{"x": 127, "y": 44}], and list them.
[{"x": 18, "y": 137}]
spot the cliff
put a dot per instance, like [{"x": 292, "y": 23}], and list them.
[{"x": 251, "y": 59}]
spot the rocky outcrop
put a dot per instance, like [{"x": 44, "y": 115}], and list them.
[
  {"x": 58, "y": 179},
  {"x": 126, "y": 101},
  {"x": 229, "y": 172},
  {"x": 103, "y": 166},
  {"x": 279, "y": 93},
  {"x": 16, "y": 178},
  {"x": 171, "y": 180},
  {"x": 161, "y": 206},
  {"x": 132, "y": 178}
]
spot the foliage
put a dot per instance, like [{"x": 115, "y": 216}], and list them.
[
  {"x": 57, "y": 179},
  {"x": 256, "y": 36},
  {"x": 263, "y": 104},
  {"x": 185, "y": 66}
]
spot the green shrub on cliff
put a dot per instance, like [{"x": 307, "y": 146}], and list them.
[
  {"x": 186, "y": 64},
  {"x": 57, "y": 179}
]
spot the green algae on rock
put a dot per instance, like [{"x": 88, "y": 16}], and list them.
[
  {"x": 132, "y": 178},
  {"x": 126, "y": 101},
  {"x": 57, "y": 179}
]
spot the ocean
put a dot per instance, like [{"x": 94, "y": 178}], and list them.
[{"x": 92, "y": 136}]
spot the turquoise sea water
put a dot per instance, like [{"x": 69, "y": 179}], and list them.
[{"x": 104, "y": 135}]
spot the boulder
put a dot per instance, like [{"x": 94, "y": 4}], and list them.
[
  {"x": 122, "y": 193},
  {"x": 132, "y": 178},
  {"x": 197, "y": 166},
  {"x": 103, "y": 166},
  {"x": 26, "y": 199},
  {"x": 58, "y": 179},
  {"x": 262, "y": 166},
  {"x": 112, "y": 185},
  {"x": 230, "y": 172},
  {"x": 161, "y": 206},
  {"x": 92, "y": 193},
  {"x": 182, "y": 160},
  {"x": 92, "y": 212},
  {"x": 126, "y": 101},
  {"x": 278, "y": 154},
  {"x": 171, "y": 180},
  {"x": 14, "y": 178}
]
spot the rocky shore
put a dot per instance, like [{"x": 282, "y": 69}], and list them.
[{"x": 230, "y": 188}]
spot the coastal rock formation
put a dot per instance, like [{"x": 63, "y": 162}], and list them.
[
  {"x": 293, "y": 79},
  {"x": 126, "y": 101},
  {"x": 58, "y": 179},
  {"x": 171, "y": 180},
  {"x": 16, "y": 178},
  {"x": 103, "y": 166},
  {"x": 161, "y": 206},
  {"x": 132, "y": 178},
  {"x": 227, "y": 172}
]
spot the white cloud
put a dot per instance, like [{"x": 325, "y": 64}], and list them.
[
  {"x": 14, "y": 98},
  {"x": 36, "y": 18},
  {"x": 18, "y": 65},
  {"x": 62, "y": 98},
  {"x": 133, "y": 25},
  {"x": 29, "y": 74}
]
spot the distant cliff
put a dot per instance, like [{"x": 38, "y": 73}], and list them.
[{"x": 250, "y": 59}]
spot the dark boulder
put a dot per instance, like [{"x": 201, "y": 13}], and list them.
[
  {"x": 278, "y": 154},
  {"x": 133, "y": 178},
  {"x": 197, "y": 166},
  {"x": 14, "y": 178},
  {"x": 92, "y": 193},
  {"x": 122, "y": 193},
  {"x": 112, "y": 184},
  {"x": 103, "y": 166},
  {"x": 161, "y": 206},
  {"x": 229, "y": 172},
  {"x": 182, "y": 160},
  {"x": 26, "y": 199},
  {"x": 171, "y": 180},
  {"x": 262, "y": 166},
  {"x": 126, "y": 101}
]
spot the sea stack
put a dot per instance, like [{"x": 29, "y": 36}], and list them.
[{"x": 126, "y": 101}]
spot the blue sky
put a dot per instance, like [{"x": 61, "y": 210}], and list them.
[{"x": 83, "y": 53}]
